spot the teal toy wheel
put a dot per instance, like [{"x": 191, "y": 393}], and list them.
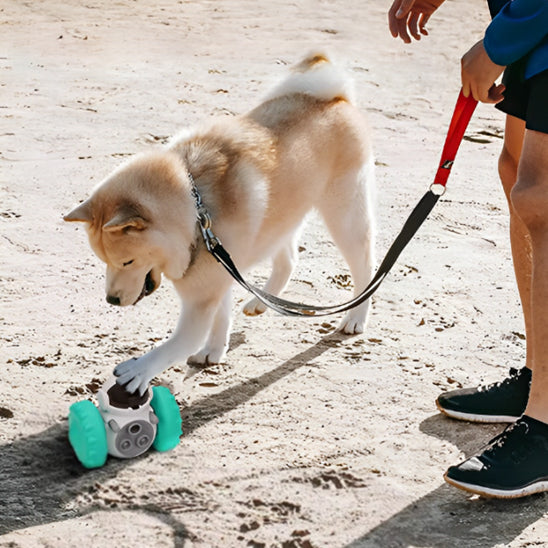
[
  {"x": 169, "y": 419},
  {"x": 87, "y": 434}
]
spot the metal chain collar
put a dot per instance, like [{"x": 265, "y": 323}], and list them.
[{"x": 204, "y": 218}]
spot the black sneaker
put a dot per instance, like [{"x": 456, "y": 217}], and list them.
[
  {"x": 503, "y": 401},
  {"x": 515, "y": 463}
]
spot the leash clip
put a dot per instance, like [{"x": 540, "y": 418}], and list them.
[{"x": 211, "y": 241}]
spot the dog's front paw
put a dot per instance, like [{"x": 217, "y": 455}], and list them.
[
  {"x": 207, "y": 356},
  {"x": 133, "y": 375},
  {"x": 254, "y": 307}
]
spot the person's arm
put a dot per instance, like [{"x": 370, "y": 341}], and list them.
[
  {"x": 513, "y": 33},
  {"x": 516, "y": 30},
  {"x": 410, "y": 17},
  {"x": 479, "y": 74}
]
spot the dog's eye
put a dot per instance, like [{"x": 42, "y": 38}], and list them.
[{"x": 127, "y": 263}]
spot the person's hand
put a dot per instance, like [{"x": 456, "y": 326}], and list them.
[
  {"x": 411, "y": 16},
  {"x": 479, "y": 74}
]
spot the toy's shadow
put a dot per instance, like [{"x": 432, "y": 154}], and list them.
[{"x": 39, "y": 474}]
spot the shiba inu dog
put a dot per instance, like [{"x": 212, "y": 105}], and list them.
[{"x": 305, "y": 146}]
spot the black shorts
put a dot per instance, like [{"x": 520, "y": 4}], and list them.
[{"x": 526, "y": 99}]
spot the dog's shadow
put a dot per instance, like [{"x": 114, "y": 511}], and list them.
[
  {"x": 40, "y": 476},
  {"x": 211, "y": 407}
]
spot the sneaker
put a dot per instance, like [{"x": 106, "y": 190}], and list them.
[
  {"x": 503, "y": 401},
  {"x": 515, "y": 463}
]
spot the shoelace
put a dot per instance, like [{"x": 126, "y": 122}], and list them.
[
  {"x": 494, "y": 446},
  {"x": 515, "y": 374}
]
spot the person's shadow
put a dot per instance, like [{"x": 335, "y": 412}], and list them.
[
  {"x": 449, "y": 518},
  {"x": 40, "y": 475}
]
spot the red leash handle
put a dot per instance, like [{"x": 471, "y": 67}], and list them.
[{"x": 461, "y": 116}]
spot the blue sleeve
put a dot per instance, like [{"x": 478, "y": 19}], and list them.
[{"x": 516, "y": 30}]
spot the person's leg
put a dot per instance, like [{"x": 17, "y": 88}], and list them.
[
  {"x": 515, "y": 463},
  {"x": 503, "y": 401},
  {"x": 530, "y": 201},
  {"x": 520, "y": 241}
]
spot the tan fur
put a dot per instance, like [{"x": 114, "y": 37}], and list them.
[
  {"x": 311, "y": 62},
  {"x": 258, "y": 175}
]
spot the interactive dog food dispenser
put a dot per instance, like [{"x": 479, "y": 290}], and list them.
[{"x": 123, "y": 425}]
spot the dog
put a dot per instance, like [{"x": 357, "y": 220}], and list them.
[{"x": 305, "y": 146}]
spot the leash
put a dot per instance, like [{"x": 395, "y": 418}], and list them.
[{"x": 461, "y": 116}]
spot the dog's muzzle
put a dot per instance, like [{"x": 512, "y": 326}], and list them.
[{"x": 148, "y": 287}]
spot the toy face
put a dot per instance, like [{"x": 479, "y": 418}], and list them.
[{"x": 134, "y": 438}]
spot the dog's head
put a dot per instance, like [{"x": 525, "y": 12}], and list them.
[{"x": 141, "y": 222}]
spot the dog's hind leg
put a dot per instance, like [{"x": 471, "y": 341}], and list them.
[
  {"x": 216, "y": 345},
  {"x": 347, "y": 213},
  {"x": 283, "y": 263}
]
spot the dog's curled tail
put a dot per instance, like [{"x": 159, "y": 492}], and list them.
[{"x": 318, "y": 76}]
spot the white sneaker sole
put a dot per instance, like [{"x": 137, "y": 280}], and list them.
[
  {"x": 538, "y": 487},
  {"x": 476, "y": 418}
]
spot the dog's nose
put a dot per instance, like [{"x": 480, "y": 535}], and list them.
[{"x": 111, "y": 299}]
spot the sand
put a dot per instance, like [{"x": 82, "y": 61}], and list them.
[{"x": 303, "y": 438}]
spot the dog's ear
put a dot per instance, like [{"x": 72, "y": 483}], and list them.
[
  {"x": 81, "y": 213},
  {"x": 126, "y": 218}
]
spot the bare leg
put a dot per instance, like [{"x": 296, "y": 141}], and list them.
[
  {"x": 515, "y": 463},
  {"x": 520, "y": 240},
  {"x": 530, "y": 200}
]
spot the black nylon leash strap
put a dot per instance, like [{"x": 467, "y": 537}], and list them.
[{"x": 289, "y": 308}]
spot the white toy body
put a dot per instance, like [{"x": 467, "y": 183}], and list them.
[{"x": 130, "y": 428}]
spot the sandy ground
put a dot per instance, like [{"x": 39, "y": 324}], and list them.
[{"x": 303, "y": 438}]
